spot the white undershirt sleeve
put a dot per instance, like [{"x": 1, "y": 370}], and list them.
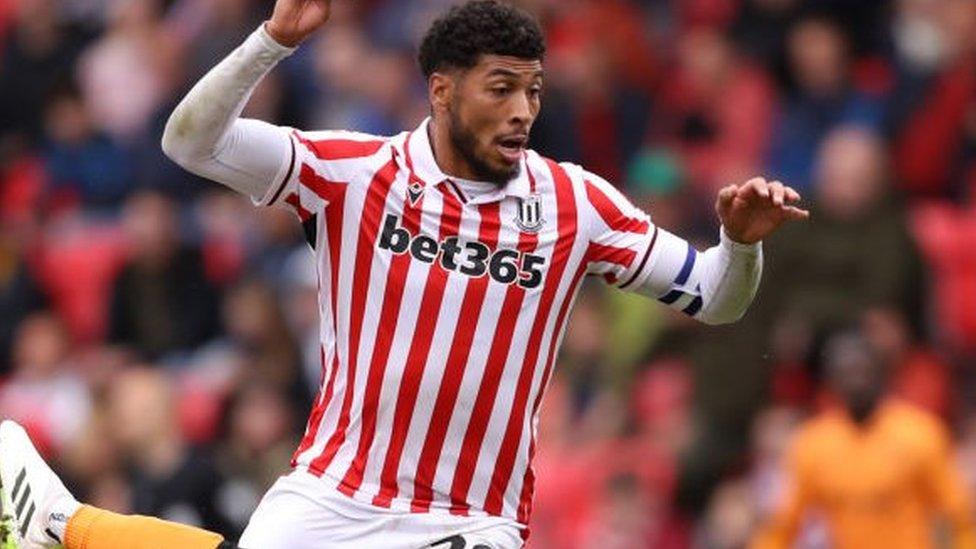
[
  {"x": 205, "y": 135},
  {"x": 715, "y": 286}
]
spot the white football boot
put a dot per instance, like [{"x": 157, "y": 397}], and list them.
[{"x": 34, "y": 504}]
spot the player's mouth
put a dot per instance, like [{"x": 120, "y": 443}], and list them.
[{"x": 512, "y": 146}]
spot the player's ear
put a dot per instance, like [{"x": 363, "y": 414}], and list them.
[{"x": 440, "y": 89}]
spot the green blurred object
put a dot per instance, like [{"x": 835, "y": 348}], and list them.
[{"x": 655, "y": 172}]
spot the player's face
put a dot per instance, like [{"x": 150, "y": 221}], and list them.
[
  {"x": 491, "y": 114},
  {"x": 857, "y": 377}
]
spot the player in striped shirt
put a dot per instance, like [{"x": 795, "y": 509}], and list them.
[{"x": 448, "y": 259}]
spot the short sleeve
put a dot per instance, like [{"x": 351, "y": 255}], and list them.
[
  {"x": 321, "y": 163},
  {"x": 621, "y": 235}
]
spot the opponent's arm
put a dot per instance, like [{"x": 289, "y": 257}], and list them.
[{"x": 205, "y": 134}]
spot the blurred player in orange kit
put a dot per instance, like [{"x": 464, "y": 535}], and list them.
[{"x": 878, "y": 470}]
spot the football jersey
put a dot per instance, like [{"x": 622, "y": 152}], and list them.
[{"x": 442, "y": 312}]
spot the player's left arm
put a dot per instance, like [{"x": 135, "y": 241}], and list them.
[{"x": 715, "y": 286}]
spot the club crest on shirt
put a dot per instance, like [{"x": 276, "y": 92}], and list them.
[{"x": 529, "y": 217}]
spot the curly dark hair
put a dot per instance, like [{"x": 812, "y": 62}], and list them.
[{"x": 467, "y": 31}]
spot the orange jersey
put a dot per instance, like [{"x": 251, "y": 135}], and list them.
[{"x": 880, "y": 485}]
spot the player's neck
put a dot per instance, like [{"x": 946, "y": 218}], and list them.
[{"x": 448, "y": 159}]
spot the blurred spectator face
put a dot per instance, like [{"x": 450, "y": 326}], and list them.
[
  {"x": 887, "y": 330},
  {"x": 817, "y": 57},
  {"x": 917, "y": 33},
  {"x": 141, "y": 409},
  {"x": 150, "y": 224},
  {"x": 849, "y": 172},
  {"x": 260, "y": 419},
  {"x": 958, "y": 18},
  {"x": 250, "y": 312},
  {"x": 66, "y": 120},
  {"x": 133, "y": 13},
  {"x": 40, "y": 347},
  {"x": 706, "y": 59},
  {"x": 855, "y": 372},
  {"x": 339, "y": 57}
]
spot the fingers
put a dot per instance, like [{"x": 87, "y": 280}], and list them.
[
  {"x": 777, "y": 193},
  {"x": 726, "y": 195},
  {"x": 755, "y": 188},
  {"x": 795, "y": 214}
]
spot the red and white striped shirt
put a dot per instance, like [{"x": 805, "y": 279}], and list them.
[
  {"x": 442, "y": 301},
  {"x": 442, "y": 314}
]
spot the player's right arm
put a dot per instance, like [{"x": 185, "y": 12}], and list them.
[{"x": 205, "y": 134}]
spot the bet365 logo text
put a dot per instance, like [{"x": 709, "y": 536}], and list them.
[{"x": 471, "y": 258}]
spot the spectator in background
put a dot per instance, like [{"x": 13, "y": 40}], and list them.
[
  {"x": 83, "y": 164},
  {"x": 258, "y": 332},
  {"x": 257, "y": 443},
  {"x": 823, "y": 97},
  {"x": 45, "y": 393},
  {"x": 20, "y": 293},
  {"x": 715, "y": 111},
  {"x": 856, "y": 252},
  {"x": 125, "y": 74},
  {"x": 162, "y": 301},
  {"x": 37, "y": 53},
  {"x": 168, "y": 478},
  {"x": 842, "y": 465},
  {"x": 935, "y": 147},
  {"x": 600, "y": 70},
  {"x": 301, "y": 309},
  {"x": 918, "y": 374}
]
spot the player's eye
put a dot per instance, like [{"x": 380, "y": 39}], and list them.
[{"x": 500, "y": 90}]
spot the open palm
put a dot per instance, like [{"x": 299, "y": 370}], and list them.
[{"x": 754, "y": 210}]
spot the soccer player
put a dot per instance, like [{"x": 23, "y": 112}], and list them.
[
  {"x": 879, "y": 471},
  {"x": 448, "y": 259}
]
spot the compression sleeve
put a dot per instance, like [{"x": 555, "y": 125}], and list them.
[
  {"x": 715, "y": 286},
  {"x": 205, "y": 135}
]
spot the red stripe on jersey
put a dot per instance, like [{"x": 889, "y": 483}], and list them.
[
  {"x": 369, "y": 226},
  {"x": 293, "y": 201},
  {"x": 335, "y": 194},
  {"x": 315, "y": 417},
  {"x": 386, "y": 330},
  {"x": 454, "y": 369},
  {"x": 340, "y": 149},
  {"x": 488, "y": 388},
  {"x": 566, "y": 206},
  {"x": 528, "y": 483},
  {"x": 430, "y": 306},
  {"x": 325, "y": 189},
  {"x": 609, "y": 254},
  {"x": 611, "y": 214}
]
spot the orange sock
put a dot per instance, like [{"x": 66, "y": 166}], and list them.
[{"x": 93, "y": 528}]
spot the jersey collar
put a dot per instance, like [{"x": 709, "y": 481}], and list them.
[{"x": 418, "y": 154}]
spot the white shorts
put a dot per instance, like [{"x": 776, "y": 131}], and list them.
[{"x": 303, "y": 511}]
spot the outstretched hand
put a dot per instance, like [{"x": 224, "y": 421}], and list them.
[
  {"x": 754, "y": 210},
  {"x": 294, "y": 20}
]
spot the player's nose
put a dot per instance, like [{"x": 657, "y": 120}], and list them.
[{"x": 521, "y": 110}]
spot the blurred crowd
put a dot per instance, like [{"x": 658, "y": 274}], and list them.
[{"x": 158, "y": 335}]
